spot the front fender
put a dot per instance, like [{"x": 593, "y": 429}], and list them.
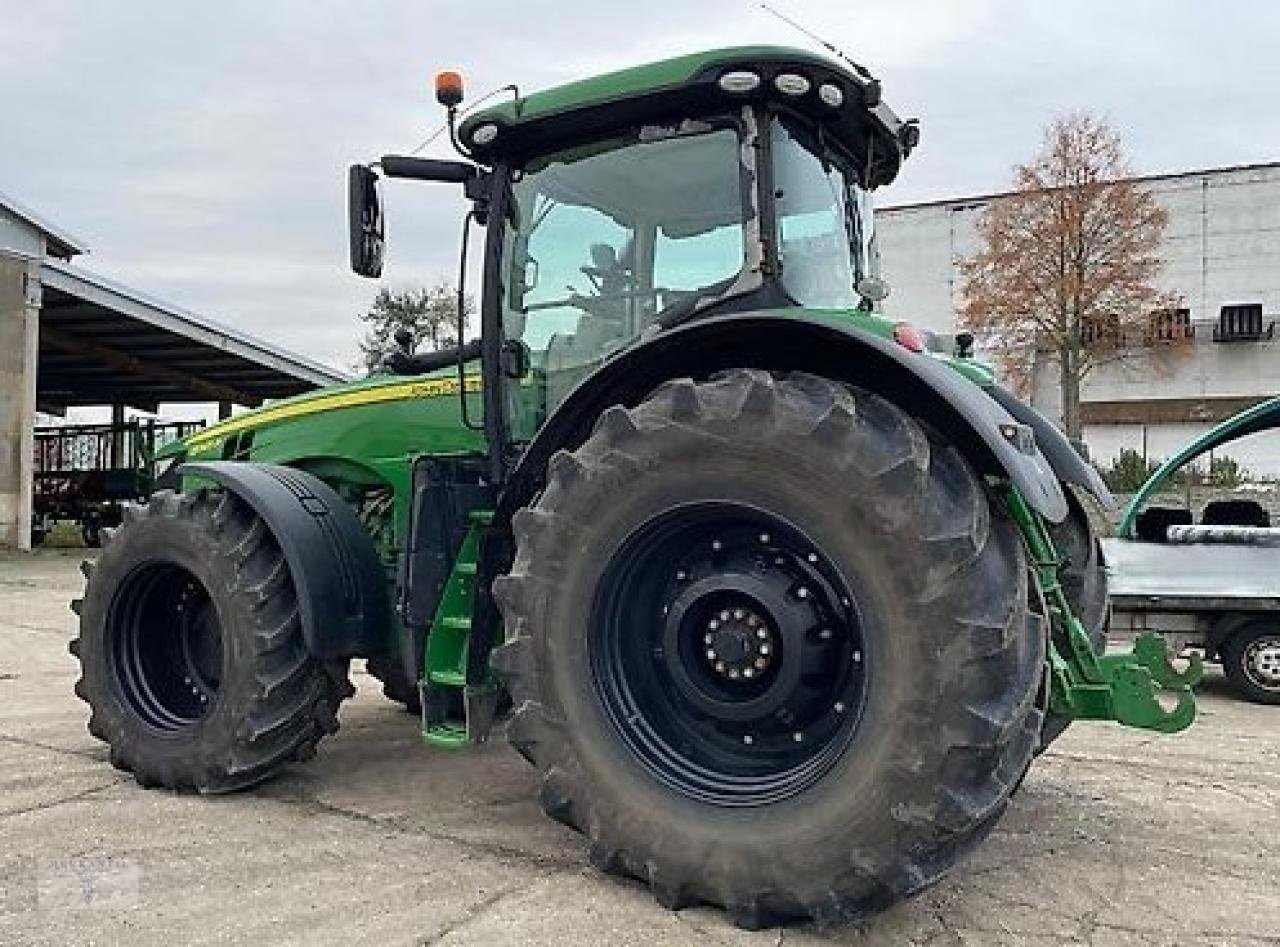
[{"x": 340, "y": 584}]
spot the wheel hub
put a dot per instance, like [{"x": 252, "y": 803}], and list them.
[
  {"x": 740, "y": 644},
  {"x": 750, "y": 684},
  {"x": 1263, "y": 661}
]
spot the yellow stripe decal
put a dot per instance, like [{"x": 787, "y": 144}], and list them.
[{"x": 427, "y": 388}]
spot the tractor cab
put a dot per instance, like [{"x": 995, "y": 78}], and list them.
[{"x": 728, "y": 181}]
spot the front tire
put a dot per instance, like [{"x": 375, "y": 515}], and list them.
[
  {"x": 870, "y": 555},
  {"x": 191, "y": 652},
  {"x": 396, "y": 685}
]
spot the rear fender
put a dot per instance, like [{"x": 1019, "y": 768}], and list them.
[
  {"x": 1065, "y": 460},
  {"x": 991, "y": 438},
  {"x": 340, "y": 584}
]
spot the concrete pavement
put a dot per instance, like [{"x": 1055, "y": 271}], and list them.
[{"x": 1117, "y": 837}]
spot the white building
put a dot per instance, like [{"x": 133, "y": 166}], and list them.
[{"x": 1222, "y": 248}]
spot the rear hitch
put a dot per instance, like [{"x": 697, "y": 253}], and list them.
[{"x": 1138, "y": 688}]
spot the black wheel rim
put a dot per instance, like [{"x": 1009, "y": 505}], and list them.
[
  {"x": 165, "y": 646},
  {"x": 728, "y": 652}
]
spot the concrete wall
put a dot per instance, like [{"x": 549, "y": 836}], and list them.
[
  {"x": 19, "y": 327},
  {"x": 1222, "y": 246}
]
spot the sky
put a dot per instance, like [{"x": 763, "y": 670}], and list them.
[{"x": 200, "y": 148}]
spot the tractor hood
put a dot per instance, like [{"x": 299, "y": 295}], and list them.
[{"x": 373, "y": 390}]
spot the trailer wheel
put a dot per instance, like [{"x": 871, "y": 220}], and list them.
[
  {"x": 191, "y": 652},
  {"x": 1251, "y": 660},
  {"x": 770, "y": 648}
]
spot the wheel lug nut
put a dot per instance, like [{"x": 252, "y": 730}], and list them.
[
  {"x": 812, "y": 557},
  {"x": 749, "y": 673},
  {"x": 724, "y": 615},
  {"x": 748, "y": 739},
  {"x": 706, "y": 639},
  {"x": 681, "y": 575},
  {"x": 720, "y": 666},
  {"x": 713, "y": 624},
  {"x": 762, "y": 634},
  {"x": 839, "y": 707},
  {"x": 764, "y": 537},
  {"x": 716, "y": 545},
  {"x": 733, "y": 673},
  {"x": 825, "y": 634},
  {"x": 739, "y": 614},
  {"x": 761, "y": 663},
  {"x": 797, "y": 736},
  {"x": 711, "y": 655},
  {"x": 764, "y": 649},
  {"x": 857, "y": 656},
  {"x": 802, "y": 592}
]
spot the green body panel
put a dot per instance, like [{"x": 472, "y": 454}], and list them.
[
  {"x": 1260, "y": 417},
  {"x": 637, "y": 81},
  {"x": 365, "y": 432}
]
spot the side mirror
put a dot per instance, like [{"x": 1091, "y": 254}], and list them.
[{"x": 365, "y": 222}]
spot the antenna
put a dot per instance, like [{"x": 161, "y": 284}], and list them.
[{"x": 830, "y": 47}]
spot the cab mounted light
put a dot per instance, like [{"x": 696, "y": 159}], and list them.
[
  {"x": 449, "y": 89},
  {"x": 484, "y": 134},
  {"x": 831, "y": 95},
  {"x": 788, "y": 83},
  {"x": 741, "y": 80}
]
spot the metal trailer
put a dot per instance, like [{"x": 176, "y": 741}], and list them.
[
  {"x": 87, "y": 472},
  {"x": 1212, "y": 586}
]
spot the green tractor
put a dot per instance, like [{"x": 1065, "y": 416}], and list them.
[{"x": 783, "y": 602}]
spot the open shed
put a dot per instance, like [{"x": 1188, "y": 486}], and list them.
[{"x": 70, "y": 338}]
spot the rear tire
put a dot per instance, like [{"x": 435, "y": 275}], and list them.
[
  {"x": 191, "y": 651},
  {"x": 1251, "y": 661},
  {"x": 943, "y": 719}
]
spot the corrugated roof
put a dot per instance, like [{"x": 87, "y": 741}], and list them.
[
  {"x": 60, "y": 243},
  {"x": 105, "y": 343}
]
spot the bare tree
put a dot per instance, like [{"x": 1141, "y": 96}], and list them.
[
  {"x": 430, "y": 316},
  {"x": 1068, "y": 263}
]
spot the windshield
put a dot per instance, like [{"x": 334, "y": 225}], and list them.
[
  {"x": 606, "y": 237},
  {"x": 825, "y": 235}
]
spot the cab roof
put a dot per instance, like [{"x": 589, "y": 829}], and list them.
[{"x": 687, "y": 85}]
